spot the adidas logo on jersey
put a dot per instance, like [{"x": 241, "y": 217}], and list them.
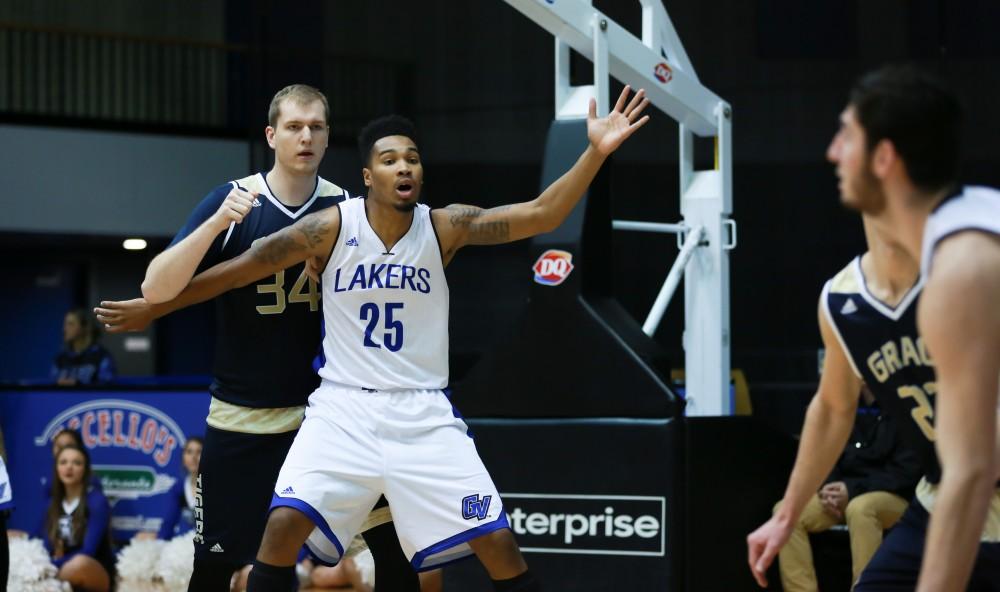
[
  {"x": 352, "y": 242},
  {"x": 849, "y": 307},
  {"x": 288, "y": 491},
  {"x": 256, "y": 202},
  {"x": 217, "y": 548}
]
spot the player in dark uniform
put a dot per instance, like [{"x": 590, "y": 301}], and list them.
[
  {"x": 897, "y": 144},
  {"x": 261, "y": 379},
  {"x": 868, "y": 319}
]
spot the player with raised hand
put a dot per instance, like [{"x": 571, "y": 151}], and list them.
[{"x": 380, "y": 421}]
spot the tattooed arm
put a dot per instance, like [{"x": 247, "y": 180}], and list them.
[
  {"x": 459, "y": 225},
  {"x": 312, "y": 236}
]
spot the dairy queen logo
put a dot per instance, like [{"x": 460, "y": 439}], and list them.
[
  {"x": 553, "y": 267},
  {"x": 138, "y": 437},
  {"x": 662, "y": 72}
]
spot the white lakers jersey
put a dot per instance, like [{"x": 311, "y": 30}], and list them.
[
  {"x": 385, "y": 312},
  {"x": 976, "y": 208}
]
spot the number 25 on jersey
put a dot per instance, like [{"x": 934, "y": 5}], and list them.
[{"x": 392, "y": 338}]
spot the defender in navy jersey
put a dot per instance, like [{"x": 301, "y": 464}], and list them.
[
  {"x": 897, "y": 156},
  {"x": 258, "y": 317},
  {"x": 883, "y": 348},
  {"x": 380, "y": 422},
  {"x": 261, "y": 377},
  {"x": 868, "y": 321},
  {"x": 897, "y": 160}
]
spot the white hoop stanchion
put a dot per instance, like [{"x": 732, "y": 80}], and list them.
[{"x": 659, "y": 64}]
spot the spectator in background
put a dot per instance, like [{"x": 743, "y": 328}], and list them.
[
  {"x": 76, "y": 525},
  {"x": 63, "y": 438},
  {"x": 82, "y": 360},
  {"x": 869, "y": 489},
  {"x": 179, "y": 517}
]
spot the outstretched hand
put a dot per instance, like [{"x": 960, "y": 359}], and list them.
[
  {"x": 763, "y": 545},
  {"x": 125, "y": 316},
  {"x": 606, "y": 134}
]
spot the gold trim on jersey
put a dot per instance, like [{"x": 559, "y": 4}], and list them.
[
  {"x": 254, "y": 183},
  {"x": 846, "y": 281},
  {"x": 327, "y": 188},
  {"x": 257, "y": 183},
  {"x": 248, "y": 420},
  {"x": 377, "y": 517},
  {"x": 926, "y": 493}
]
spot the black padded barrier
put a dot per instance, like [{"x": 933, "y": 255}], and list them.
[{"x": 608, "y": 486}]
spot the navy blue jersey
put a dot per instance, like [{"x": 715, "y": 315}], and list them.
[
  {"x": 886, "y": 351},
  {"x": 267, "y": 333}
]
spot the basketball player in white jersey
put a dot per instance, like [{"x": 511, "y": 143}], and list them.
[
  {"x": 897, "y": 159},
  {"x": 380, "y": 422},
  {"x": 257, "y": 402}
]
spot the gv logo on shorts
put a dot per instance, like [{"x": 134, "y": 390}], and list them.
[{"x": 474, "y": 507}]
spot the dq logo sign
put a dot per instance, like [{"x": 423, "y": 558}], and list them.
[
  {"x": 553, "y": 267},
  {"x": 662, "y": 72},
  {"x": 126, "y": 439}
]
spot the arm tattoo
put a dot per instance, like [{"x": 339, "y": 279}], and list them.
[
  {"x": 314, "y": 229},
  {"x": 482, "y": 232},
  {"x": 274, "y": 250}
]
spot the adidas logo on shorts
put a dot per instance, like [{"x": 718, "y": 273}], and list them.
[
  {"x": 217, "y": 548},
  {"x": 288, "y": 491}
]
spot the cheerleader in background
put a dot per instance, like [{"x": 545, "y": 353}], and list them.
[{"x": 76, "y": 525}]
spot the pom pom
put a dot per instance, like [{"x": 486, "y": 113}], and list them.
[
  {"x": 176, "y": 563},
  {"x": 366, "y": 566},
  {"x": 137, "y": 563},
  {"x": 30, "y": 568},
  {"x": 157, "y": 566}
]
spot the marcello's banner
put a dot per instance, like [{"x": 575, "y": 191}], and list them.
[{"x": 135, "y": 440}]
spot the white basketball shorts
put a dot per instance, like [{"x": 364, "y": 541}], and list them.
[{"x": 410, "y": 445}]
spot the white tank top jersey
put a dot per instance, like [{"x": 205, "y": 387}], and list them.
[
  {"x": 975, "y": 208},
  {"x": 385, "y": 312}
]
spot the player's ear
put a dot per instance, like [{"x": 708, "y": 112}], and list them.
[
  {"x": 366, "y": 174},
  {"x": 269, "y": 135},
  {"x": 884, "y": 156}
]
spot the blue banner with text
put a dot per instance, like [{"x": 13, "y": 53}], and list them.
[{"x": 135, "y": 439}]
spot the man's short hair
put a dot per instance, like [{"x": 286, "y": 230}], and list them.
[
  {"x": 919, "y": 114},
  {"x": 302, "y": 94},
  {"x": 383, "y": 127}
]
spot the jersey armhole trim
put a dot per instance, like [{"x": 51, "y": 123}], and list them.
[
  {"x": 232, "y": 225},
  {"x": 336, "y": 239},
  {"x": 925, "y": 269},
  {"x": 437, "y": 238},
  {"x": 825, "y": 299}
]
